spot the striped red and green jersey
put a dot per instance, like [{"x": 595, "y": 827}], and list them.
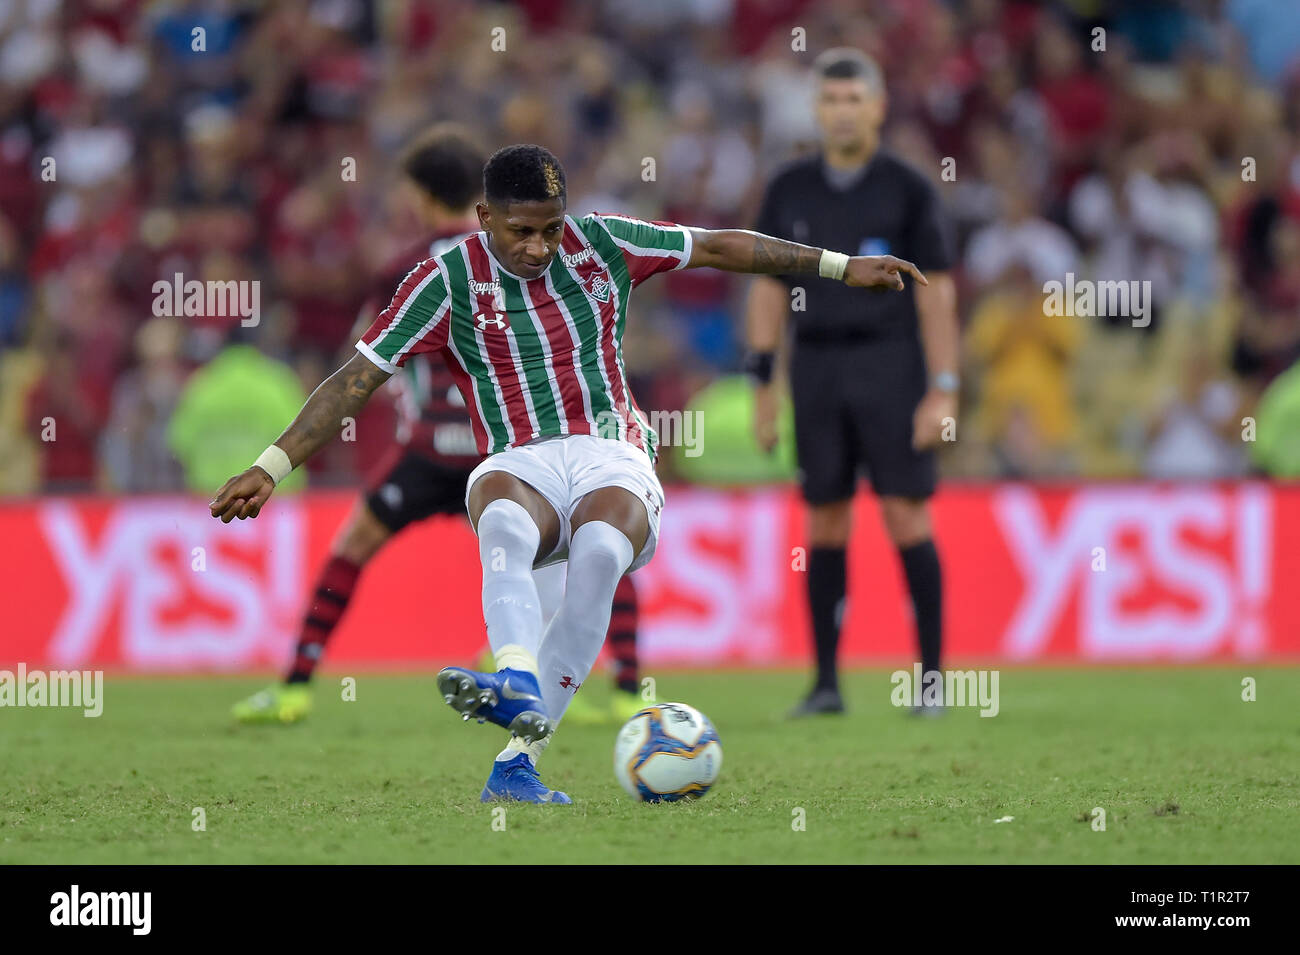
[
  {"x": 534, "y": 357},
  {"x": 431, "y": 420}
]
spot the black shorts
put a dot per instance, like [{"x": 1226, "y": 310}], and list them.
[
  {"x": 415, "y": 488},
  {"x": 853, "y": 407}
]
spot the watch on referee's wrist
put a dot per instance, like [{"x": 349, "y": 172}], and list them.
[
  {"x": 945, "y": 381},
  {"x": 759, "y": 365}
]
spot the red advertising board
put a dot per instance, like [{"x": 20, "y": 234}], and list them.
[{"x": 1114, "y": 573}]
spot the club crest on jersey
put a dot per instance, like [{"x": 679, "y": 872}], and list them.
[
  {"x": 597, "y": 285},
  {"x": 483, "y": 321}
]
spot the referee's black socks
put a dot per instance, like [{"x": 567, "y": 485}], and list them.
[
  {"x": 921, "y": 566},
  {"x": 826, "y": 589}
]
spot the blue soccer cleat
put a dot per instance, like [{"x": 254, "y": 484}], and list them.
[
  {"x": 508, "y": 698},
  {"x": 516, "y": 780}
]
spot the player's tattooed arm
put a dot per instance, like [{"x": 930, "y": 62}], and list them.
[
  {"x": 341, "y": 395},
  {"x": 738, "y": 250}
]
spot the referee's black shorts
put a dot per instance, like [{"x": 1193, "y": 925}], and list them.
[{"x": 853, "y": 407}]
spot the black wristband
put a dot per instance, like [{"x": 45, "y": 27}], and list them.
[{"x": 758, "y": 366}]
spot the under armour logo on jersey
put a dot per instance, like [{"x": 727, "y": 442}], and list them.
[
  {"x": 598, "y": 286},
  {"x": 496, "y": 320}
]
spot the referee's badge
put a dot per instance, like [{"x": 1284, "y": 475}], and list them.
[{"x": 873, "y": 247}]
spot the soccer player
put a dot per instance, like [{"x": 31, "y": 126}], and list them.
[
  {"x": 425, "y": 471},
  {"x": 529, "y": 314},
  {"x": 873, "y": 378}
]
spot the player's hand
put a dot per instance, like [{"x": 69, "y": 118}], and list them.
[
  {"x": 931, "y": 415},
  {"x": 766, "y": 409},
  {"x": 242, "y": 496},
  {"x": 874, "y": 271}
]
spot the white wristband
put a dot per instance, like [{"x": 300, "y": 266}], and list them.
[
  {"x": 832, "y": 265},
  {"x": 275, "y": 463}
]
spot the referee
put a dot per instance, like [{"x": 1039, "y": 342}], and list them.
[{"x": 873, "y": 377}]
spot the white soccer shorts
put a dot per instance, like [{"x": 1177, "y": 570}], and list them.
[{"x": 565, "y": 468}]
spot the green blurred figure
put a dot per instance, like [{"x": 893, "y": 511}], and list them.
[
  {"x": 230, "y": 410},
  {"x": 725, "y": 452},
  {"x": 1276, "y": 449}
]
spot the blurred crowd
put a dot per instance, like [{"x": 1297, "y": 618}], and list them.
[{"x": 240, "y": 140}]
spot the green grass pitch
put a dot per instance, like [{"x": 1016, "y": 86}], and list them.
[{"x": 1185, "y": 770}]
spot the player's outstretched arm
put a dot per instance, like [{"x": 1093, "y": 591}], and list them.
[
  {"x": 739, "y": 250},
  {"x": 341, "y": 395}
]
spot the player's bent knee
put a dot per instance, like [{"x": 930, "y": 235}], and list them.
[
  {"x": 604, "y": 551},
  {"x": 619, "y": 508},
  {"x": 608, "y": 555},
  {"x": 500, "y": 485},
  {"x": 508, "y": 522},
  {"x": 494, "y": 486}
]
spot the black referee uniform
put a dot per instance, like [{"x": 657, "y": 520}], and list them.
[{"x": 857, "y": 368}]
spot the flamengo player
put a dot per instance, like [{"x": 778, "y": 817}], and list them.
[
  {"x": 425, "y": 471},
  {"x": 529, "y": 314}
]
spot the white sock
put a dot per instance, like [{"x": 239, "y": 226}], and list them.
[
  {"x": 550, "y": 592},
  {"x": 599, "y": 555},
  {"x": 507, "y": 547},
  {"x": 550, "y": 588},
  {"x": 517, "y": 746}
]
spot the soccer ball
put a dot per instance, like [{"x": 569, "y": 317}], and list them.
[{"x": 667, "y": 752}]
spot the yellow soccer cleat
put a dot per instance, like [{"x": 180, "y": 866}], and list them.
[
  {"x": 279, "y": 703},
  {"x": 624, "y": 705},
  {"x": 580, "y": 712}
]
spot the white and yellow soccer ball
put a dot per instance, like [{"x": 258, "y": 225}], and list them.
[{"x": 667, "y": 752}]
